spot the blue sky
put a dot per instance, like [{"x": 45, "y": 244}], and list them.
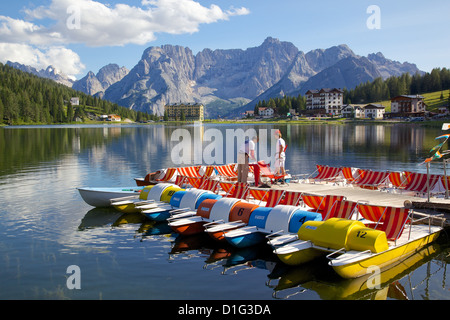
[{"x": 77, "y": 36}]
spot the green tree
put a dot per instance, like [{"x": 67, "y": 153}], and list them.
[
  {"x": 166, "y": 116},
  {"x": 70, "y": 112}
]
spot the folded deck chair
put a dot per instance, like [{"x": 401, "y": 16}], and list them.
[{"x": 372, "y": 179}]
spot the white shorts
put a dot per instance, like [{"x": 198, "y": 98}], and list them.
[{"x": 279, "y": 163}]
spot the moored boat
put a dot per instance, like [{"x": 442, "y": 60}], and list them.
[
  {"x": 282, "y": 219},
  {"x": 101, "y": 197},
  {"x": 210, "y": 210},
  {"x": 184, "y": 202},
  {"x": 151, "y": 197},
  {"x": 353, "y": 248}
]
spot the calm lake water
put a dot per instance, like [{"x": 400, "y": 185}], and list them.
[{"x": 46, "y": 227}]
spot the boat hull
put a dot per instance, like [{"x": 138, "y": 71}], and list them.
[
  {"x": 189, "y": 228},
  {"x": 384, "y": 259},
  {"x": 245, "y": 237},
  {"x": 300, "y": 257},
  {"x": 101, "y": 197}
]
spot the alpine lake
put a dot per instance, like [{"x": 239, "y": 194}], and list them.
[{"x": 47, "y": 230}]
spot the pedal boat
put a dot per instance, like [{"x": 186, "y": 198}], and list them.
[
  {"x": 209, "y": 211},
  {"x": 150, "y": 197},
  {"x": 182, "y": 203},
  {"x": 280, "y": 221},
  {"x": 353, "y": 249}
]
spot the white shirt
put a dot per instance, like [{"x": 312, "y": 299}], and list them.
[
  {"x": 282, "y": 143},
  {"x": 247, "y": 147}
]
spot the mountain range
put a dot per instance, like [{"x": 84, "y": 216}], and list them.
[{"x": 230, "y": 81}]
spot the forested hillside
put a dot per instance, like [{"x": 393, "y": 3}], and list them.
[
  {"x": 375, "y": 91},
  {"x": 26, "y": 98}
]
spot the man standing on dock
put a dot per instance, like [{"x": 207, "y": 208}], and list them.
[{"x": 246, "y": 151}]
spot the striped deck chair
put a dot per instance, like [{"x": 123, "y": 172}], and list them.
[
  {"x": 394, "y": 223},
  {"x": 210, "y": 185},
  {"x": 240, "y": 191},
  {"x": 259, "y": 194},
  {"x": 227, "y": 187},
  {"x": 314, "y": 201},
  {"x": 227, "y": 171},
  {"x": 180, "y": 180},
  {"x": 331, "y": 201},
  {"x": 446, "y": 187},
  {"x": 372, "y": 179},
  {"x": 196, "y": 182},
  {"x": 291, "y": 198},
  {"x": 372, "y": 213},
  {"x": 274, "y": 197},
  {"x": 348, "y": 174},
  {"x": 191, "y": 172},
  {"x": 418, "y": 182},
  {"x": 398, "y": 179},
  {"x": 327, "y": 173},
  {"x": 341, "y": 209},
  {"x": 168, "y": 175},
  {"x": 208, "y": 171}
]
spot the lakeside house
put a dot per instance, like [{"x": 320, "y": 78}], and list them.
[
  {"x": 353, "y": 111},
  {"x": 374, "y": 111},
  {"x": 408, "y": 106},
  {"x": 368, "y": 111},
  {"x": 324, "y": 102},
  {"x": 192, "y": 112},
  {"x": 266, "y": 112}
]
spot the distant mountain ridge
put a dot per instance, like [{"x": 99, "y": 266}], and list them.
[{"x": 230, "y": 81}]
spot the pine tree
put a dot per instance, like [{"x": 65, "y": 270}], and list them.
[{"x": 69, "y": 112}]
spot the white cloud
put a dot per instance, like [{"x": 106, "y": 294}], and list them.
[
  {"x": 47, "y": 29},
  {"x": 63, "y": 59},
  {"x": 96, "y": 24}
]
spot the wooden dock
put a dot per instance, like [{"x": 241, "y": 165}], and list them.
[{"x": 375, "y": 197}]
